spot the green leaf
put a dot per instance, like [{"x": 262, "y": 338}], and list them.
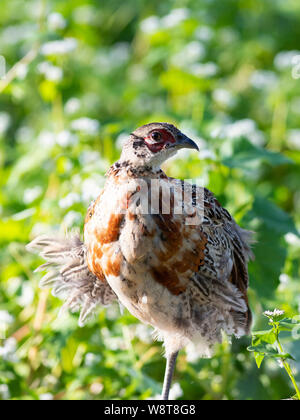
[
  {"x": 270, "y": 351},
  {"x": 244, "y": 155},
  {"x": 67, "y": 355},
  {"x": 270, "y": 224},
  {"x": 266, "y": 336},
  {"x": 259, "y": 359}
]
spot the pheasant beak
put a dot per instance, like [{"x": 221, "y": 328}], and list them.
[{"x": 184, "y": 142}]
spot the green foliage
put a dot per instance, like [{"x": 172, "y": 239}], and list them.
[
  {"x": 81, "y": 75},
  {"x": 267, "y": 343}
]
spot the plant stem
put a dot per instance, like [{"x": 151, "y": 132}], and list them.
[
  {"x": 289, "y": 372},
  {"x": 287, "y": 366}
]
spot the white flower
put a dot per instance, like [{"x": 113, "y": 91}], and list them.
[
  {"x": 86, "y": 125},
  {"x": 46, "y": 397},
  {"x": 192, "y": 353},
  {"x": 296, "y": 59},
  {"x": 27, "y": 295},
  {"x": 90, "y": 189},
  {"x": 2, "y": 67},
  {"x": 194, "y": 51},
  {"x": 120, "y": 53},
  {"x": 30, "y": 194},
  {"x": 274, "y": 313},
  {"x": 24, "y": 134},
  {"x": 96, "y": 388},
  {"x": 209, "y": 69},
  {"x": 263, "y": 79},
  {"x": 284, "y": 59},
  {"x": 294, "y": 138},
  {"x": 89, "y": 156},
  {"x": 204, "y": 33},
  {"x": 207, "y": 154},
  {"x": 175, "y": 17},
  {"x": 296, "y": 67},
  {"x": 91, "y": 359},
  {"x": 13, "y": 285},
  {"x": 24, "y": 214},
  {"x": 59, "y": 47},
  {"x": 4, "y": 122},
  {"x": 66, "y": 138},
  {"x": 241, "y": 128},
  {"x": 6, "y": 318},
  {"x": 16, "y": 33},
  {"x": 284, "y": 278},
  {"x": 224, "y": 97},
  {"x": 46, "y": 139},
  {"x": 191, "y": 53},
  {"x": 292, "y": 239},
  {"x": 114, "y": 343},
  {"x": 121, "y": 140},
  {"x": 72, "y": 218},
  {"x": 150, "y": 24},
  {"x": 69, "y": 200},
  {"x": 156, "y": 397},
  {"x": 113, "y": 58},
  {"x": 4, "y": 392},
  {"x": 22, "y": 71},
  {"x": 56, "y": 21},
  {"x": 8, "y": 350},
  {"x": 175, "y": 391},
  {"x": 50, "y": 71},
  {"x": 144, "y": 333},
  {"x": 72, "y": 105}
]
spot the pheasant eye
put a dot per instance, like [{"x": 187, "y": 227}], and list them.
[{"x": 156, "y": 135}]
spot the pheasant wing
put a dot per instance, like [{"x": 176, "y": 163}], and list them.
[{"x": 68, "y": 274}]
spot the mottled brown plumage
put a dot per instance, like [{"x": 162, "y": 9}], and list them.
[{"x": 166, "y": 249}]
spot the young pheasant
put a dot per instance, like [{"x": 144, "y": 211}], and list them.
[{"x": 164, "y": 248}]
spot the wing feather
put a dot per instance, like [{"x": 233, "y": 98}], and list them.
[{"x": 69, "y": 276}]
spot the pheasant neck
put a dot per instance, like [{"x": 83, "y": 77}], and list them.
[{"x": 127, "y": 169}]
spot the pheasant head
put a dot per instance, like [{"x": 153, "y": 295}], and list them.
[{"x": 152, "y": 144}]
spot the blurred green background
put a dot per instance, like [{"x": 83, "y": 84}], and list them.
[{"x": 81, "y": 75}]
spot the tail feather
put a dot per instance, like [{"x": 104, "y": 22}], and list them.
[{"x": 68, "y": 275}]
